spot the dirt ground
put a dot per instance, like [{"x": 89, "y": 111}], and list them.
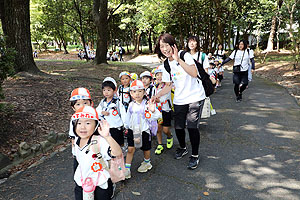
[{"x": 37, "y": 104}]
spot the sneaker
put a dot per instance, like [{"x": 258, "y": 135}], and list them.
[
  {"x": 127, "y": 173},
  {"x": 159, "y": 149},
  {"x": 114, "y": 189},
  {"x": 193, "y": 163},
  {"x": 239, "y": 98},
  {"x": 180, "y": 153},
  {"x": 169, "y": 143},
  {"x": 144, "y": 167}
]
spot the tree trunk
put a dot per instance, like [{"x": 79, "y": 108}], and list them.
[
  {"x": 237, "y": 37},
  {"x": 65, "y": 47},
  {"x": 271, "y": 36},
  {"x": 15, "y": 17},
  {"x": 277, "y": 34},
  {"x": 150, "y": 41},
  {"x": 137, "y": 44},
  {"x": 101, "y": 23}
]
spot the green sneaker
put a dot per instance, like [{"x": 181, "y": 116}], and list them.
[
  {"x": 169, "y": 143},
  {"x": 159, "y": 149}
]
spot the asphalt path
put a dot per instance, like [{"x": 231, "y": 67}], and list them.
[{"x": 249, "y": 150}]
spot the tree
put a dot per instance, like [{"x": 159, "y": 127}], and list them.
[{"x": 15, "y": 20}]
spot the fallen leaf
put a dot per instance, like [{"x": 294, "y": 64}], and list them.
[
  {"x": 136, "y": 193},
  {"x": 206, "y": 193}
]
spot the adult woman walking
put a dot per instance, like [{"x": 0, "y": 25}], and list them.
[
  {"x": 220, "y": 53},
  {"x": 242, "y": 57},
  {"x": 193, "y": 47},
  {"x": 188, "y": 97}
]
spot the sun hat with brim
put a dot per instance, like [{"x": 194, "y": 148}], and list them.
[
  {"x": 146, "y": 73},
  {"x": 124, "y": 74}
]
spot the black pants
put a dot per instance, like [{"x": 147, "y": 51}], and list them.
[
  {"x": 240, "y": 78},
  {"x": 100, "y": 194}
]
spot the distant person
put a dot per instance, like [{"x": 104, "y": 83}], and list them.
[
  {"x": 121, "y": 52},
  {"x": 242, "y": 57},
  {"x": 35, "y": 54},
  {"x": 220, "y": 53},
  {"x": 193, "y": 47}
]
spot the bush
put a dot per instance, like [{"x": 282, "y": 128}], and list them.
[{"x": 7, "y": 56}]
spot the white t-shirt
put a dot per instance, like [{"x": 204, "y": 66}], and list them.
[
  {"x": 151, "y": 88},
  {"x": 124, "y": 94},
  {"x": 238, "y": 58},
  {"x": 165, "y": 101},
  {"x": 219, "y": 54},
  {"x": 188, "y": 89},
  {"x": 205, "y": 62},
  {"x": 86, "y": 163},
  {"x": 117, "y": 112}
]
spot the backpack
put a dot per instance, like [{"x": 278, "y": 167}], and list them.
[
  {"x": 117, "y": 166},
  {"x": 126, "y": 104},
  {"x": 202, "y": 75},
  {"x": 122, "y": 50},
  {"x": 153, "y": 126}
]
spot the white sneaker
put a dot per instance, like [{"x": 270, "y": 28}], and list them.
[
  {"x": 144, "y": 167},
  {"x": 127, "y": 173}
]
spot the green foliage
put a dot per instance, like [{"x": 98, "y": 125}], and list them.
[{"x": 7, "y": 57}]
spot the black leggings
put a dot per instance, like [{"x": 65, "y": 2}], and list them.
[
  {"x": 194, "y": 139},
  {"x": 99, "y": 193},
  {"x": 239, "y": 90}
]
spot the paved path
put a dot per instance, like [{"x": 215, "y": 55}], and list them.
[{"x": 249, "y": 150}]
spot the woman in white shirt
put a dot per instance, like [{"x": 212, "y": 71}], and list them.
[
  {"x": 189, "y": 94},
  {"x": 219, "y": 53},
  {"x": 242, "y": 57},
  {"x": 193, "y": 47}
]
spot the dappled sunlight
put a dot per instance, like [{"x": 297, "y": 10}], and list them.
[
  {"x": 212, "y": 180},
  {"x": 284, "y": 133},
  {"x": 250, "y": 127},
  {"x": 256, "y": 114},
  {"x": 264, "y": 174}
]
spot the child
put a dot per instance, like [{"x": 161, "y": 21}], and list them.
[
  {"x": 137, "y": 122},
  {"x": 165, "y": 106},
  {"x": 212, "y": 73},
  {"x": 92, "y": 169},
  {"x": 79, "y": 97},
  {"x": 111, "y": 109},
  {"x": 123, "y": 90},
  {"x": 147, "y": 79},
  {"x": 133, "y": 76},
  {"x": 219, "y": 71}
]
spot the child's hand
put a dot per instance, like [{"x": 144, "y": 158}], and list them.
[
  {"x": 105, "y": 113},
  {"x": 152, "y": 105},
  {"x": 103, "y": 129}
]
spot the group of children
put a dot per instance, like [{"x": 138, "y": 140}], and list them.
[{"x": 127, "y": 116}]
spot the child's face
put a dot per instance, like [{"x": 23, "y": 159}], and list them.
[
  {"x": 211, "y": 66},
  {"x": 85, "y": 128},
  {"x": 137, "y": 95},
  {"x": 125, "y": 80},
  {"x": 80, "y": 103},
  {"x": 146, "y": 80},
  {"x": 158, "y": 77},
  {"x": 216, "y": 63},
  {"x": 108, "y": 92},
  {"x": 192, "y": 44}
]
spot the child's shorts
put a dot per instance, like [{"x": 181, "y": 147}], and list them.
[
  {"x": 166, "y": 116},
  {"x": 146, "y": 140},
  {"x": 220, "y": 77},
  {"x": 117, "y": 134}
]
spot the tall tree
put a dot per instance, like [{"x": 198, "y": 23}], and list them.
[{"x": 15, "y": 18}]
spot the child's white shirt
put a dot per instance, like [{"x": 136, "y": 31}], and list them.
[
  {"x": 165, "y": 101},
  {"x": 124, "y": 94},
  {"x": 135, "y": 117},
  {"x": 86, "y": 162},
  {"x": 116, "y": 111},
  {"x": 153, "y": 88},
  {"x": 211, "y": 72}
]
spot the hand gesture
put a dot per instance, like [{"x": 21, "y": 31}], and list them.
[
  {"x": 103, "y": 129},
  {"x": 105, "y": 113},
  {"x": 152, "y": 105},
  {"x": 175, "y": 53}
]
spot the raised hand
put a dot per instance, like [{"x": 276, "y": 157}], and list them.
[
  {"x": 152, "y": 105},
  {"x": 103, "y": 129},
  {"x": 175, "y": 53}
]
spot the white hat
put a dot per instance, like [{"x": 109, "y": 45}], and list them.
[
  {"x": 124, "y": 73},
  {"x": 146, "y": 73},
  {"x": 158, "y": 69},
  {"x": 137, "y": 85},
  {"x": 111, "y": 80}
]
